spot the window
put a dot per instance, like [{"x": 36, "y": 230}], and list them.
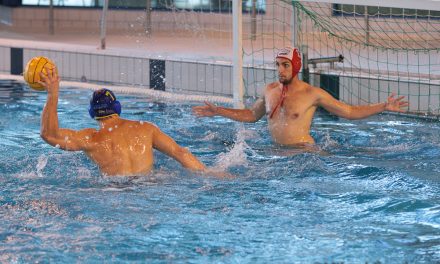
[
  {"x": 359, "y": 10},
  {"x": 218, "y": 6},
  {"x": 78, "y": 3}
]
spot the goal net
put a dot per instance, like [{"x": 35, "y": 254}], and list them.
[{"x": 385, "y": 49}]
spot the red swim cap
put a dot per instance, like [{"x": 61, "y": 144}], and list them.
[{"x": 293, "y": 55}]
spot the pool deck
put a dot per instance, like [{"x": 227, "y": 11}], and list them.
[{"x": 160, "y": 46}]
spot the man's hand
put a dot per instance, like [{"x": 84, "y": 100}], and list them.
[
  {"x": 205, "y": 110},
  {"x": 50, "y": 80},
  {"x": 395, "y": 104}
]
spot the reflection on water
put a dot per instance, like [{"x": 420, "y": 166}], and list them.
[{"x": 11, "y": 91}]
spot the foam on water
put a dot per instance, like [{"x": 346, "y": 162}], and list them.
[{"x": 42, "y": 162}]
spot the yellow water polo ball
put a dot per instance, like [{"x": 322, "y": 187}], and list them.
[{"x": 32, "y": 71}]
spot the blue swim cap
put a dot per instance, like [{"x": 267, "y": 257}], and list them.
[{"x": 104, "y": 104}]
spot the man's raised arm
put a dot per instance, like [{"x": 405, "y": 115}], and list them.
[
  {"x": 66, "y": 139},
  {"x": 341, "y": 109},
  {"x": 243, "y": 115}
]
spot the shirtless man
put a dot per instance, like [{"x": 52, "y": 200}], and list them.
[
  {"x": 120, "y": 146},
  {"x": 290, "y": 104}
]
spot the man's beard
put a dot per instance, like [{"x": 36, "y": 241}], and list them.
[{"x": 286, "y": 82}]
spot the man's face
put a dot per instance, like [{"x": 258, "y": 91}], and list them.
[{"x": 284, "y": 67}]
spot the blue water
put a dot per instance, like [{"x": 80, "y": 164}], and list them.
[{"x": 374, "y": 197}]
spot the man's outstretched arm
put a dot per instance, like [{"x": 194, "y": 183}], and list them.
[
  {"x": 341, "y": 109},
  {"x": 243, "y": 115},
  {"x": 168, "y": 146},
  {"x": 66, "y": 139}
]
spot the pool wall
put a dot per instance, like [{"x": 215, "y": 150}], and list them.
[{"x": 213, "y": 78}]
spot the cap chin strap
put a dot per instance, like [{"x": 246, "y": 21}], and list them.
[
  {"x": 295, "y": 70},
  {"x": 281, "y": 101},
  {"x": 104, "y": 117}
]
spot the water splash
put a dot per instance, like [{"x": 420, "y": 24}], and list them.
[
  {"x": 209, "y": 136},
  {"x": 84, "y": 173},
  {"x": 236, "y": 155},
  {"x": 41, "y": 164},
  {"x": 328, "y": 142}
]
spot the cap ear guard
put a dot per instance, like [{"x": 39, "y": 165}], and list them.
[
  {"x": 296, "y": 62},
  {"x": 117, "y": 107},
  {"x": 91, "y": 112}
]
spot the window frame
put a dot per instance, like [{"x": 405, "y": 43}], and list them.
[
  {"x": 338, "y": 10},
  {"x": 260, "y": 11}
]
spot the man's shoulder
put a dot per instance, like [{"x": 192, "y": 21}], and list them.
[
  {"x": 272, "y": 85},
  {"x": 314, "y": 92},
  {"x": 87, "y": 131},
  {"x": 308, "y": 88},
  {"x": 138, "y": 124}
]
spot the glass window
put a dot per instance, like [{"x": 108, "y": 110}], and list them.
[
  {"x": 85, "y": 3},
  {"x": 359, "y": 10},
  {"x": 196, "y": 5}
]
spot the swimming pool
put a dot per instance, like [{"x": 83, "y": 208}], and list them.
[{"x": 374, "y": 198}]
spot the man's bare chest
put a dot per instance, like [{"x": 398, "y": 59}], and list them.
[{"x": 294, "y": 104}]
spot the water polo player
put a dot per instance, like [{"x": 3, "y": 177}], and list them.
[
  {"x": 119, "y": 146},
  {"x": 291, "y": 104}
]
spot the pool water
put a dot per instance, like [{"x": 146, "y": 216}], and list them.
[{"x": 373, "y": 197}]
